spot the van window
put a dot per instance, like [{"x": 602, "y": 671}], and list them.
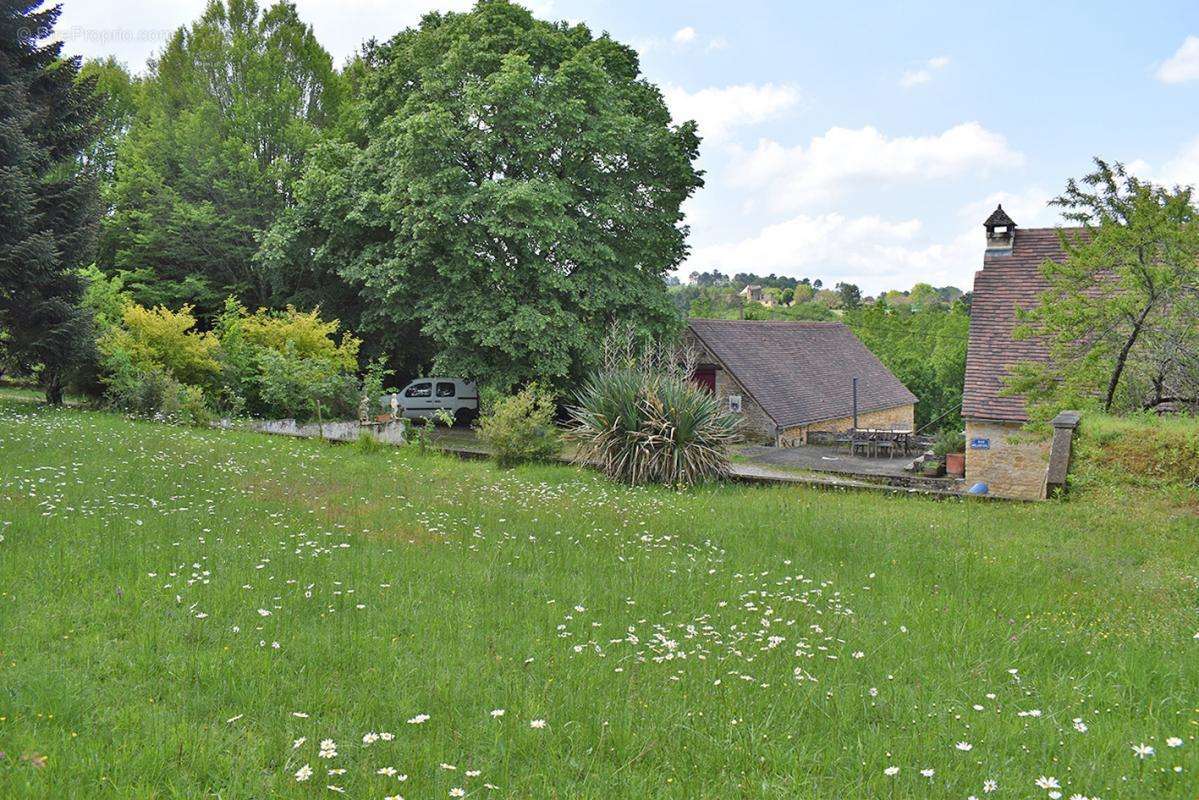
[
  {"x": 445, "y": 389},
  {"x": 419, "y": 390}
]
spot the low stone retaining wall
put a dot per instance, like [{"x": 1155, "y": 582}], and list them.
[{"x": 386, "y": 432}]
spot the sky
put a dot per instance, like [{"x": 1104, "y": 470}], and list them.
[{"x": 848, "y": 141}]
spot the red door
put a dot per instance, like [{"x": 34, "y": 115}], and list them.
[{"x": 705, "y": 377}]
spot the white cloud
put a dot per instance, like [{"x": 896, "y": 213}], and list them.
[
  {"x": 874, "y": 252},
  {"x": 134, "y": 30},
  {"x": 1183, "y": 169},
  {"x": 1029, "y": 208},
  {"x": 720, "y": 109},
  {"x": 855, "y": 245},
  {"x": 842, "y": 158},
  {"x": 1183, "y": 66},
  {"x": 718, "y": 43},
  {"x": 923, "y": 74},
  {"x": 684, "y": 35}
]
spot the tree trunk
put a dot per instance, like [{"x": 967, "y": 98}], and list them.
[
  {"x": 54, "y": 388},
  {"x": 1122, "y": 359}
]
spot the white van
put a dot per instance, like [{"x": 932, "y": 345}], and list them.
[{"x": 423, "y": 397}]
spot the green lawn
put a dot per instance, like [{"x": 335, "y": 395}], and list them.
[{"x": 189, "y": 613}]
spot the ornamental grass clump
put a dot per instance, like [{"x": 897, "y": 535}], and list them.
[{"x": 641, "y": 420}]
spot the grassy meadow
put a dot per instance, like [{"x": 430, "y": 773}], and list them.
[{"x": 202, "y": 614}]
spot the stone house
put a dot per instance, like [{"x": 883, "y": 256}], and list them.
[
  {"x": 789, "y": 378},
  {"x": 999, "y": 452},
  {"x": 752, "y": 292}
]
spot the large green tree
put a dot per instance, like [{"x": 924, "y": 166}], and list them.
[
  {"x": 48, "y": 202},
  {"x": 512, "y": 187},
  {"x": 224, "y": 120},
  {"x": 118, "y": 90},
  {"x": 1121, "y": 316},
  {"x": 926, "y": 349}
]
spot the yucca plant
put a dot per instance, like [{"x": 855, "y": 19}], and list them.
[{"x": 641, "y": 427}]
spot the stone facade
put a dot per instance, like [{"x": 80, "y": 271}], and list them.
[
  {"x": 1014, "y": 465},
  {"x": 756, "y": 426},
  {"x": 895, "y": 418}
]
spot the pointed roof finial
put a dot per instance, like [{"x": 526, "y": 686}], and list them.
[{"x": 999, "y": 218}]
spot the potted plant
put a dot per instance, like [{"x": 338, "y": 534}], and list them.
[
  {"x": 933, "y": 468},
  {"x": 951, "y": 447}
]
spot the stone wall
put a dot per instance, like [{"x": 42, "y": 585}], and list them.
[
  {"x": 894, "y": 418},
  {"x": 1014, "y": 466},
  {"x": 756, "y": 426},
  {"x": 335, "y": 431}
]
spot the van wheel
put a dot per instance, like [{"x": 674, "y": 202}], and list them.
[{"x": 465, "y": 416}]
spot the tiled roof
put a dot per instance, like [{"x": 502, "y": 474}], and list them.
[
  {"x": 1005, "y": 282},
  {"x": 801, "y": 372}
]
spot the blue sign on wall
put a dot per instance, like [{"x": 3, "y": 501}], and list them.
[{"x": 980, "y": 444}]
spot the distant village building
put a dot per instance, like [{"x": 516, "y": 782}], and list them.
[
  {"x": 790, "y": 378},
  {"x": 999, "y": 453},
  {"x": 753, "y": 293}
]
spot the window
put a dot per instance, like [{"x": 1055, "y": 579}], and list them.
[
  {"x": 419, "y": 390},
  {"x": 445, "y": 389},
  {"x": 735, "y": 403}
]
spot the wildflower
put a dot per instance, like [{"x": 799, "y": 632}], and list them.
[
  {"x": 457, "y": 791},
  {"x": 298, "y": 742},
  {"x": 385, "y": 736},
  {"x": 891, "y": 772},
  {"x": 1077, "y": 796},
  {"x": 928, "y": 773},
  {"x": 1048, "y": 783},
  {"x": 418, "y": 719},
  {"x": 262, "y": 612},
  {"x": 964, "y": 746},
  {"x": 859, "y": 654},
  {"x": 337, "y": 789},
  {"x": 537, "y": 723},
  {"x": 473, "y": 773},
  {"x": 497, "y": 712},
  {"x": 444, "y": 765},
  {"x": 299, "y": 714},
  {"x": 989, "y": 786},
  {"x": 393, "y": 797},
  {"x": 1142, "y": 751},
  {"x": 340, "y": 771},
  {"x": 370, "y": 738},
  {"x": 873, "y": 691},
  {"x": 1173, "y": 741},
  {"x": 303, "y": 773},
  {"x": 1079, "y": 725},
  {"x": 387, "y": 771},
  {"x": 235, "y": 719}
]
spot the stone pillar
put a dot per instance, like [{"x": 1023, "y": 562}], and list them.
[{"x": 1064, "y": 425}]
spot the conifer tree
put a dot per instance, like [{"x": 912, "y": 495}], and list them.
[{"x": 48, "y": 203}]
